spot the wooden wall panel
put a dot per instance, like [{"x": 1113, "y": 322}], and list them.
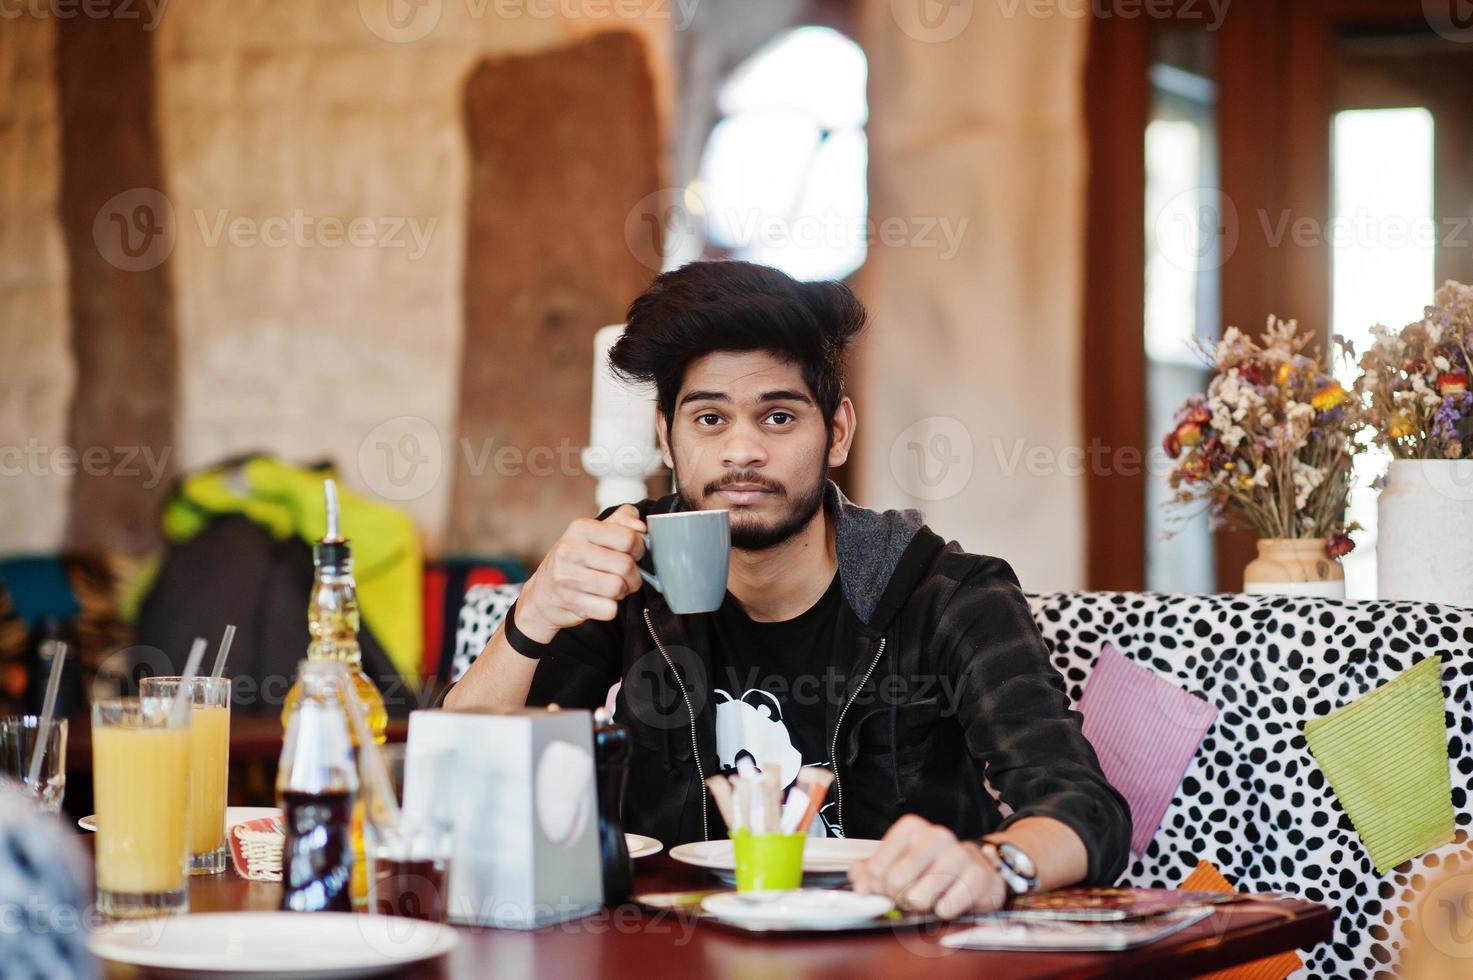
[
  {"x": 564, "y": 148},
  {"x": 119, "y": 232}
]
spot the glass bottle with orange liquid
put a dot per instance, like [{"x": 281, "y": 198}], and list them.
[{"x": 332, "y": 621}]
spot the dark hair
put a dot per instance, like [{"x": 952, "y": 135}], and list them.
[{"x": 705, "y": 307}]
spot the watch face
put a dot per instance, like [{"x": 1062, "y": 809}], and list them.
[{"x": 1017, "y": 860}]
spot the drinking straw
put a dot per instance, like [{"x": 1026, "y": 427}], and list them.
[
  {"x": 720, "y": 788},
  {"x": 186, "y": 679},
  {"x": 772, "y": 806},
  {"x": 815, "y": 782},
  {"x": 794, "y": 809},
  {"x": 48, "y": 707},
  {"x": 746, "y": 815},
  {"x": 224, "y": 652},
  {"x": 776, "y": 769},
  {"x": 378, "y": 769}
]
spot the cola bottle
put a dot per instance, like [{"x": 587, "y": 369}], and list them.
[{"x": 316, "y": 786}]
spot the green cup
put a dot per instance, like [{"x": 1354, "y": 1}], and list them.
[{"x": 768, "y": 862}]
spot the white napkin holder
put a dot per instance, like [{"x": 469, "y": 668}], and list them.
[{"x": 522, "y": 803}]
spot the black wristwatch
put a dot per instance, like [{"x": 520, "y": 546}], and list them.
[{"x": 1015, "y": 868}]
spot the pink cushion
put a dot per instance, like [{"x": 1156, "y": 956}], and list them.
[{"x": 1146, "y": 731}]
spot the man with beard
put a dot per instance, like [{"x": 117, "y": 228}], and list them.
[{"x": 852, "y": 639}]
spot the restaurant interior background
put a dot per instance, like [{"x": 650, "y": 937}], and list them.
[{"x": 382, "y": 235}]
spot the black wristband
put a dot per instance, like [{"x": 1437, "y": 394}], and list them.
[{"x": 521, "y": 642}]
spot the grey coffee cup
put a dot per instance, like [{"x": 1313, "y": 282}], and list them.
[{"x": 692, "y": 553}]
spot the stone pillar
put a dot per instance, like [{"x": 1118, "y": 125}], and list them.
[
  {"x": 969, "y": 377},
  {"x": 564, "y": 146}
]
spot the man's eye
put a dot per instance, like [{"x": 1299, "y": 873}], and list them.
[
  {"x": 781, "y": 418},
  {"x": 708, "y": 418}
]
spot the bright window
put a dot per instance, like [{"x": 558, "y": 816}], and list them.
[
  {"x": 1383, "y": 239},
  {"x": 782, "y": 179}
]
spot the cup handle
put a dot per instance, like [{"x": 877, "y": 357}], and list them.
[{"x": 649, "y": 577}]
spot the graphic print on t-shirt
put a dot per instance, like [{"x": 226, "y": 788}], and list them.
[{"x": 752, "y": 727}]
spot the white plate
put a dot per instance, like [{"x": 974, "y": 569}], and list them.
[
  {"x": 641, "y": 846},
  {"x": 233, "y": 816},
  {"x": 807, "y": 908},
  {"x": 821, "y": 855},
  {"x": 271, "y": 944}
]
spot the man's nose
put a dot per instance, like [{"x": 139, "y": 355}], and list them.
[{"x": 743, "y": 448}]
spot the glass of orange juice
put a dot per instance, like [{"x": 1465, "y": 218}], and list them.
[
  {"x": 209, "y": 765},
  {"x": 140, "y": 785}
]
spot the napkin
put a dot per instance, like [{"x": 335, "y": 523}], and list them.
[
  {"x": 1145, "y": 731},
  {"x": 256, "y": 848},
  {"x": 1385, "y": 755},
  {"x": 1206, "y": 878}
]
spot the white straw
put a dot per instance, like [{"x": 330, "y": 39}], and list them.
[
  {"x": 378, "y": 770},
  {"x": 224, "y": 651},
  {"x": 186, "y": 679},
  {"x": 48, "y": 708}
]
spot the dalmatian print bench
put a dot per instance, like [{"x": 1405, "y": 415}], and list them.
[{"x": 1253, "y": 802}]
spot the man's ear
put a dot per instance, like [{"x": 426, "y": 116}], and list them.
[
  {"x": 842, "y": 432},
  {"x": 662, "y": 434}
]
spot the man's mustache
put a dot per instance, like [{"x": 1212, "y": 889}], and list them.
[{"x": 752, "y": 478}]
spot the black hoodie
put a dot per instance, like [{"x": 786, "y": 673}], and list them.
[{"x": 940, "y": 679}]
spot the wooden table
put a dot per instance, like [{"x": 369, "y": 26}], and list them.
[{"x": 630, "y": 942}]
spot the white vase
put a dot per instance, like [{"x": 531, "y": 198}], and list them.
[
  {"x": 1424, "y": 532},
  {"x": 1294, "y": 566}
]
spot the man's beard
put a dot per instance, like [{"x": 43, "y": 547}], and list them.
[{"x": 760, "y": 538}]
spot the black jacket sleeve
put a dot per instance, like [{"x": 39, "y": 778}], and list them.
[
  {"x": 1018, "y": 722},
  {"x": 582, "y": 663}
]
